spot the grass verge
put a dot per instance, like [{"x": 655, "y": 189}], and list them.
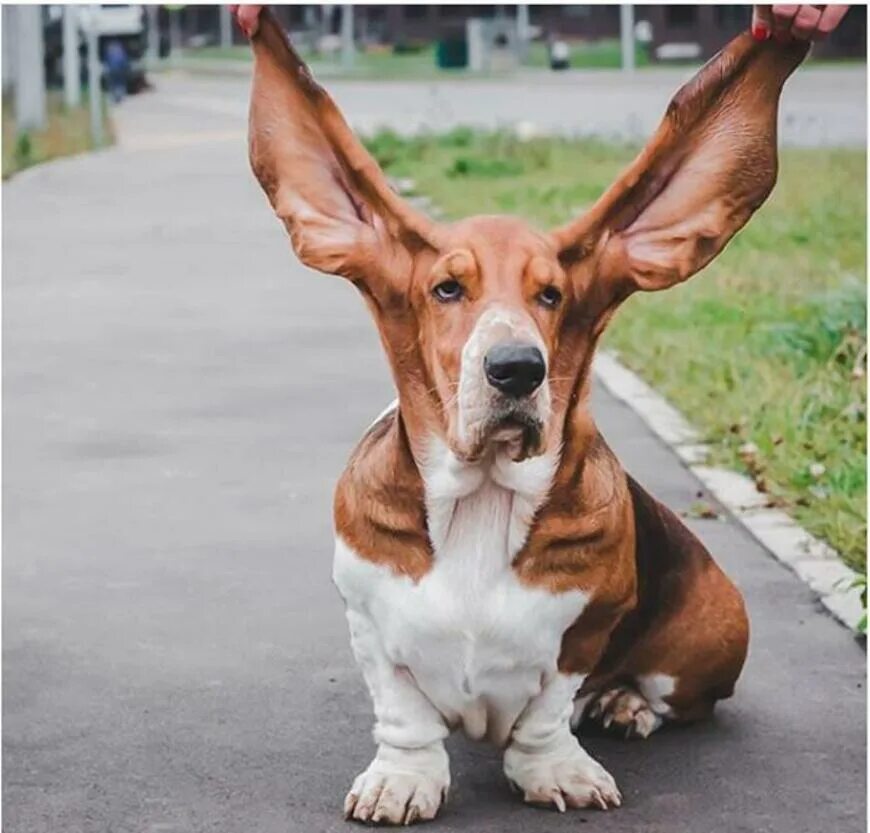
[
  {"x": 764, "y": 352},
  {"x": 67, "y": 132},
  {"x": 420, "y": 63}
]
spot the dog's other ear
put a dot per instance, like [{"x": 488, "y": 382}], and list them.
[
  {"x": 710, "y": 165},
  {"x": 342, "y": 215}
]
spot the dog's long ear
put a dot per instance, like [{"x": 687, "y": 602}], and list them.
[
  {"x": 342, "y": 215},
  {"x": 710, "y": 165}
]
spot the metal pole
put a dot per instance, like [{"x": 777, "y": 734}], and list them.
[
  {"x": 175, "y": 34},
  {"x": 325, "y": 19},
  {"x": 347, "y": 46},
  {"x": 309, "y": 16},
  {"x": 95, "y": 92},
  {"x": 523, "y": 30},
  {"x": 626, "y": 36},
  {"x": 30, "y": 72},
  {"x": 10, "y": 48},
  {"x": 153, "y": 36},
  {"x": 72, "y": 82},
  {"x": 226, "y": 26}
]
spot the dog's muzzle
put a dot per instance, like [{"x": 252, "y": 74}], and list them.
[
  {"x": 503, "y": 400},
  {"x": 514, "y": 370}
]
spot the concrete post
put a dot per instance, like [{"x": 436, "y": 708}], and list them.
[
  {"x": 72, "y": 81},
  {"x": 476, "y": 47},
  {"x": 175, "y": 34},
  {"x": 626, "y": 35},
  {"x": 95, "y": 92},
  {"x": 153, "y": 53},
  {"x": 226, "y": 26},
  {"x": 30, "y": 69},
  {"x": 523, "y": 31},
  {"x": 10, "y": 48},
  {"x": 347, "y": 45}
]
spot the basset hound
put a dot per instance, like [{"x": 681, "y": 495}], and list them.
[{"x": 502, "y": 574}]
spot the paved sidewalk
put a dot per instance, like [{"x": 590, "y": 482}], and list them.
[{"x": 179, "y": 398}]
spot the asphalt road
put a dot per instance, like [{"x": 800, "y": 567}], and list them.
[{"x": 179, "y": 397}]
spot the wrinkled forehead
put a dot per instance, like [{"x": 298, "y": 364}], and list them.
[{"x": 500, "y": 245}]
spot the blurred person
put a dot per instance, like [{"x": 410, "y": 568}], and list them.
[{"x": 117, "y": 69}]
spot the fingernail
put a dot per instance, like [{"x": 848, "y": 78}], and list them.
[{"x": 760, "y": 32}]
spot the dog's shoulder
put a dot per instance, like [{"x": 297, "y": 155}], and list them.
[{"x": 379, "y": 505}]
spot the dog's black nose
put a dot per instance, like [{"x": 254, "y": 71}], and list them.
[{"x": 515, "y": 369}]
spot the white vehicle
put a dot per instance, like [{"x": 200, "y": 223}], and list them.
[{"x": 114, "y": 22}]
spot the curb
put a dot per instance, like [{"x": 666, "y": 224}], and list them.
[{"x": 812, "y": 560}]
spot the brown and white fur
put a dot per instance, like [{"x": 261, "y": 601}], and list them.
[{"x": 501, "y": 572}]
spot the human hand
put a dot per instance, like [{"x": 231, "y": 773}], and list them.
[
  {"x": 786, "y": 23},
  {"x": 248, "y": 18}
]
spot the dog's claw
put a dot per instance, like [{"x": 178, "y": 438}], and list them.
[
  {"x": 577, "y": 781},
  {"x": 349, "y": 804},
  {"x": 380, "y": 796},
  {"x": 626, "y": 710}
]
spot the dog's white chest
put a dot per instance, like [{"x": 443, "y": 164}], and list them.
[{"x": 477, "y": 642}]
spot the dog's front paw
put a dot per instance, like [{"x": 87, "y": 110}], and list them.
[
  {"x": 567, "y": 778},
  {"x": 398, "y": 792}
]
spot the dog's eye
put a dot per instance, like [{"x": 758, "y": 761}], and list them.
[
  {"x": 550, "y": 297},
  {"x": 448, "y": 291}
]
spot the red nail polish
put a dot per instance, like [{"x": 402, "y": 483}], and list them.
[{"x": 760, "y": 32}]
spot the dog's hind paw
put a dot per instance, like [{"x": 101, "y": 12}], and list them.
[{"x": 620, "y": 709}]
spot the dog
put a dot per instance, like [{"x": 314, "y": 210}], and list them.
[{"x": 501, "y": 573}]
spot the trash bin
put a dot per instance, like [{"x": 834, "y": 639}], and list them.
[{"x": 452, "y": 50}]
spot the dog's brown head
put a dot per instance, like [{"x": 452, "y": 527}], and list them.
[{"x": 489, "y": 324}]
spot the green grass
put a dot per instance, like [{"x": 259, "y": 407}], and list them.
[
  {"x": 601, "y": 54},
  {"x": 380, "y": 64},
  {"x": 67, "y": 132},
  {"x": 241, "y": 52},
  {"x": 387, "y": 65},
  {"x": 766, "y": 346},
  {"x": 420, "y": 63}
]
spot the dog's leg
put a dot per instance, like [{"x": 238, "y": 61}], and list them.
[
  {"x": 409, "y": 777},
  {"x": 546, "y": 762}
]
